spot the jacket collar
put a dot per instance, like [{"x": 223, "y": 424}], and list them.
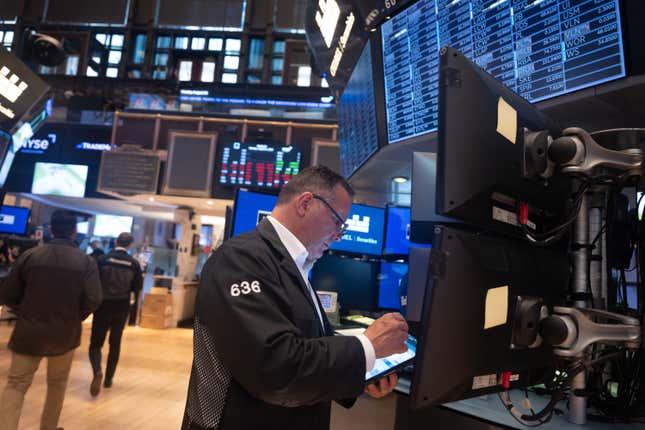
[{"x": 65, "y": 242}]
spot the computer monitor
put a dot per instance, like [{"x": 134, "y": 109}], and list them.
[
  {"x": 423, "y": 215},
  {"x": 389, "y": 284},
  {"x": 364, "y": 233},
  {"x": 355, "y": 281},
  {"x": 483, "y": 153},
  {"x": 250, "y": 208},
  {"x": 468, "y": 335},
  {"x": 13, "y": 220},
  {"x": 398, "y": 232}
]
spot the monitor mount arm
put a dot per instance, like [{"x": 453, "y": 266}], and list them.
[
  {"x": 571, "y": 330},
  {"x": 577, "y": 153}
]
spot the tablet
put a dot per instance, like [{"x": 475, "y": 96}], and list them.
[{"x": 386, "y": 365}]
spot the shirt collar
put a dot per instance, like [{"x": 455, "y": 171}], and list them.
[
  {"x": 118, "y": 248},
  {"x": 294, "y": 247}
]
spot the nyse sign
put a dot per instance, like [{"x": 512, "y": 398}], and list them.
[{"x": 39, "y": 145}]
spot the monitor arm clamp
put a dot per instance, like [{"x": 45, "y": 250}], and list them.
[{"x": 571, "y": 330}]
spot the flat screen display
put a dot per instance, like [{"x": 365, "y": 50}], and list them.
[
  {"x": 13, "y": 220},
  {"x": 397, "y": 232},
  {"x": 356, "y": 109},
  {"x": 355, "y": 281},
  {"x": 250, "y": 208},
  {"x": 539, "y": 49},
  {"x": 364, "y": 233},
  {"x": 389, "y": 282},
  {"x": 258, "y": 164},
  {"x": 112, "y": 225},
  {"x": 59, "y": 179}
]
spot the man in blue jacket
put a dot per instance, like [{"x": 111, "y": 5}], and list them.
[
  {"x": 54, "y": 287},
  {"x": 265, "y": 355}
]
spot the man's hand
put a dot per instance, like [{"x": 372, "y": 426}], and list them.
[
  {"x": 388, "y": 335},
  {"x": 383, "y": 386}
]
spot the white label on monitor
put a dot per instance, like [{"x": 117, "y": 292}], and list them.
[
  {"x": 508, "y": 217},
  {"x": 484, "y": 381},
  {"x": 7, "y": 219}
]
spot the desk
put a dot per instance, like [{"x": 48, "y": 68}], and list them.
[
  {"x": 483, "y": 413},
  {"x": 183, "y": 300}
]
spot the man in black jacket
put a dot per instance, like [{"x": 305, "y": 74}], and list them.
[
  {"x": 120, "y": 276},
  {"x": 265, "y": 356},
  {"x": 54, "y": 287}
]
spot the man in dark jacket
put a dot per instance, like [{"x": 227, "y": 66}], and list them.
[
  {"x": 265, "y": 356},
  {"x": 120, "y": 276},
  {"x": 54, "y": 287}
]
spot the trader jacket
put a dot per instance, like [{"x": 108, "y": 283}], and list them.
[
  {"x": 54, "y": 287},
  {"x": 261, "y": 358},
  {"x": 120, "y": 275}
]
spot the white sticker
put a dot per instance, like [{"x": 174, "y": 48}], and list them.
[
  {"x": 484, "y": 381},
  {"x": 496, "y": 310},
  {"x": 506, "y": 120},
  {"x": 508, "y": 217}
]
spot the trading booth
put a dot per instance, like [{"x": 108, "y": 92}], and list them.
[{"x": 510, "y": 118}]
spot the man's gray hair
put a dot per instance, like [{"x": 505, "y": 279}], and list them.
[{"x": 316, "y": 179}]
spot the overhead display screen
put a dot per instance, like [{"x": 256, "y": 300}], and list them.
[
  {"x": 364, "y": 233},
  {"x": 59, "y": 179},
  {"x": 112, "y": 225},
  {"x": 357, "y": 117},
  {"x": 539, "y": 49},
  {"x": 259, "y": 164}
]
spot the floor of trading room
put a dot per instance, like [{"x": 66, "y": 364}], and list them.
[{"x": 149, "y": 390}]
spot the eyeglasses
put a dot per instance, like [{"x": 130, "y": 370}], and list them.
[{"x": 341, "y": 225}]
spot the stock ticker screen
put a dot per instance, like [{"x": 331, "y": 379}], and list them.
[
  {"x": 537, "y": 48},
  {"x": 258, "y": 164}
]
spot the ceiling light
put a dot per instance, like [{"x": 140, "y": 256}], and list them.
[
  {"x": 400, "y": 179},
  {"x": 151, "y": 199}
]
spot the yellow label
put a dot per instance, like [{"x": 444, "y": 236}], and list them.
[
  {"x": 496, "y": 307},
  {"x": 506, "y": 120}
]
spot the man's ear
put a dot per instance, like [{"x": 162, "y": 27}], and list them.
[{"x": 303, "y": 202}]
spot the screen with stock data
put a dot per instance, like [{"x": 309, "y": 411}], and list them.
[
  {"x": 537, "y": 48},
  {"x": 258, "y": 164}
]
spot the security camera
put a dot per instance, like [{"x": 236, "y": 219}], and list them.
[{"x": 44, "y": 49}]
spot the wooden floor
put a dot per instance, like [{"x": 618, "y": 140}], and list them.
[{"x": 149, "y": 390}]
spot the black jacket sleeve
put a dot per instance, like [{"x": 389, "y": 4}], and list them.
[
  {"x": 12, "y": 289},
  {"x": 137, "y": 280},
  {"x": 245, "y": 305},
  {"x": 92, "y": 291}
]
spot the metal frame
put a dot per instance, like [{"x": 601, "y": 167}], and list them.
[{"x": 205, "y": 192}]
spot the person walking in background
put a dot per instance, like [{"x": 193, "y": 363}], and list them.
[
  {"x": 54, "y": 287},
  {"x": 96, "y": 249},
  {"x": 120, "y": 276}
]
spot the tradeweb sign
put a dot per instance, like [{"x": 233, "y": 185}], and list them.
[{"x": 92, "y": 146}]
